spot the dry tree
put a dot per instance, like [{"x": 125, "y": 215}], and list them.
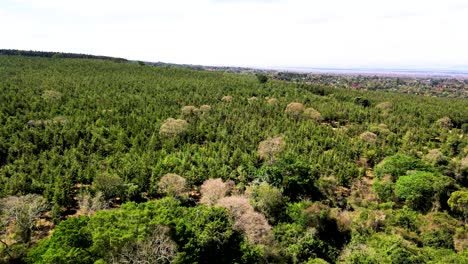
[
  {"x": 172, "y": 185},
  {"x": 51, "y": 95},
  {"x": 252, "y": 99},
  {"x": 256, "y": 228},
  {"x": 214, "y": 189},
  {"x": 173, "y": 127},
  {"x": 157, "y": 247},
  {"x": 312, "y": 114},
  {"x": 385, "y": 106},
  {"x": 188, "y": 110},
  {"x": 90, "y": 204},
  {"x": 205, "y": 108},
  {"x": 369, "y": 137},
  {"x": 294, "y": 110},
  {"x": 227, "y": 98},
  {"x": 270, "y": 148},
  {"x": 236, "y": 205},
  {"x": 253, "y": 224},
  {"x": 445, "y": 122},
  {"x": 272, "y": 101},
  {"x": 23, "y": 211},
  {"x": 434, "y": 156}
]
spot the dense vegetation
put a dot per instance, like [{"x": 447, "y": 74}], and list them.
[
  {"x": 130, "y": 162},
  {"x": 442, "y": 86}
]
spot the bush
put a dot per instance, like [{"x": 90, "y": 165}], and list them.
[{"x": 262, "y": 78}]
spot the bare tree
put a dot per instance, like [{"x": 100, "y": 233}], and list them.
[
  {"x": 369, "y": 137},
  {"x": 312, "y": 114},
  {"x": 294, "y": 110},
  {"x": 255, "y": 226},
  {"x": 158, "y": 247},
  {"x": 270, "y": 148},
  {"x": 173, "y": 127},
  {"x": 214, "y": 189},
  {"x": 236, "y": 205},
  {"x": 172, "y": 185},
  {"x": 23, "y": 211},
  {"x": 90, "y": 204},
  {"x": 227, "y": 98}
]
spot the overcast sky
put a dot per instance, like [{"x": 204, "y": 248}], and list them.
[{"x": 262, "y": 33}]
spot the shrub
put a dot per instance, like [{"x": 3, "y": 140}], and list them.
[
  {"x": 440, "y": 238},
  {"x": 270, "y": 148},
  {"x": 214, "y": 189},
  {"x": 362, "y": 101},
  {"x": 173, "y": 127},
  {"x": 262, "y": 78},
  {"x": 172, "y": 185},
  {"x": 458, "y": 201}
]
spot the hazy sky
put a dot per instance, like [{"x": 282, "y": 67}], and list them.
[{"x": 294, "y": 33}]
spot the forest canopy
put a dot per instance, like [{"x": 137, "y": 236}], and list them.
[{"x": 127, "y": 161}]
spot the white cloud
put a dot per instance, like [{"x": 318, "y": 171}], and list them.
[{"x": 252, "y": 33}]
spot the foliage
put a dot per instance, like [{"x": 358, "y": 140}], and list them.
[
  {"x": 91, "y": 134},
  {"x": 419, "y": 189},
  {"x": 398, "y": 164}
]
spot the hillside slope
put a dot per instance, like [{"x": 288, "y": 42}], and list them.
[{"x": 324, "y": 178}]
